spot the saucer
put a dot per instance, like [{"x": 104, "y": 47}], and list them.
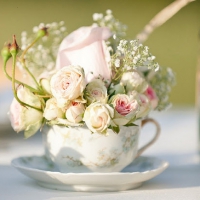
[{"x": 47, "y": 175}]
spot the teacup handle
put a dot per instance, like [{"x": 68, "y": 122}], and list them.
[{"x": 145, "y": 121}]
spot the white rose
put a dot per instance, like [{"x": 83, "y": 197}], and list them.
[
  {"x": 67, "y": 84},
  {"x": 126, "y": 108},
  {"x": 52, "y": 111},
  {"x": 96, "y": 91},
  {"x": 134, "y": 81},
  {"x": 98, "y": 117},
  {"x": 74, "y": 112},
  {"x": 25, "y": 118}
]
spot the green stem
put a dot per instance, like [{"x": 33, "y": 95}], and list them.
[
  {"x": 19, "y": 82},
  {"x": 25, "y": 51},
  {"x": 14, "y": 89},
  {"x": 44, "y": 96},
  {"x": 118, "y": 74},
  {"x": 32, "y": 76},
  {"x": 23, "y": 62}
]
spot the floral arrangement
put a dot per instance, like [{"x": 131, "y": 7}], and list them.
[{"x": 92, "y": 77}]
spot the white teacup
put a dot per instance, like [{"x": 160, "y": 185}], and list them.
[{"x": 77, "y": 150}]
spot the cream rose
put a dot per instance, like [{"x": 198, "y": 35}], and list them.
[
  {"x": 52, "y": 111},
  {"x": 98, "y": 117},
  {"x": 134, "y": 81},
  {"x": 74, "y": 112},
  {"x": 24, "y": 118},
  {"x": 144, "y": 103},
  {"x": 126, "y": 108},
  {"x": 86, "y": 47},
  {"x": 67, "y": 84},
  {"x": 96, "y": 91}
]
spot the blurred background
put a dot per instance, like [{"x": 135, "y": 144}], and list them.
[{"x": 175, "y": 44}]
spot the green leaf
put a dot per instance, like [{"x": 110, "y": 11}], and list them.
[
  {"x": 32, "y": 129},
  {"x": 112, "y": 94},
  {"x": 55, "y": 122},
  {"x": 116, "y": 129},
  {"x": 132, "y": 120},
  {"x": 131, "y": 125}
]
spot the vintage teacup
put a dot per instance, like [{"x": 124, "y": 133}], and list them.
[{"x": 78, "y": 150}]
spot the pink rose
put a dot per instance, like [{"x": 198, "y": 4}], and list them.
[
  {"x": 14, "y": 114},
  {"x": 86, "y": 47},
  {"x": 150, "y": 93},
  {"x": 126, "y": 108}
]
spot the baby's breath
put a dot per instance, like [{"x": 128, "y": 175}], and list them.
[
  {"x": 132, "y": 55},
  {"x": 117, "y": 28},
  {"x": 162, "y": 81},
  {"x": 42, "y": 55}
]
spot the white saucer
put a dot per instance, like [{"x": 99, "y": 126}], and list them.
[{"x": 46, "y": 174}]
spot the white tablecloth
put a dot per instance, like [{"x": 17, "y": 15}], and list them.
[{"x": 178, "y": 144}]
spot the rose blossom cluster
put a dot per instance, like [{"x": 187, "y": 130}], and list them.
[{"x": 82, "y": 89}]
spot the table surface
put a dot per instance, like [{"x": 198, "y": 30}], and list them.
[{"x": 178, "y": 144}]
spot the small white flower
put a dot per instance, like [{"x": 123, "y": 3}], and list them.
[
  {"x": 125, "y": 42},
  {"x": 50, "y": 65},
  {"x": 157, "y": 67},
  {"x": 39, "y": 47},
  {"x": 110, "y": 49},
  {"x": 117, "y": 63},
  {"x": 108, "y": 12},
  {"x": 61, "y": 23},
  {"x": 41, "y": 25},
  {"x": 97, "y": 16},
  {"x": 138, "y": 56},
  {"x": 24, "y": 34},
  {"x": 145, "y": 53},
  {"x": 63, "y": 29},
  {"x": 128, "y": 67},
  {"x": 35, "y": 29},
  {"x": 108, "y": 18},
  {"x": 48, "y": 25},
  {"x": 57, "y": 32},
  {"x": 135, "y": 48},
  {"x": 133, "y": 53},
  {"x": 135, "y": 61}
]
